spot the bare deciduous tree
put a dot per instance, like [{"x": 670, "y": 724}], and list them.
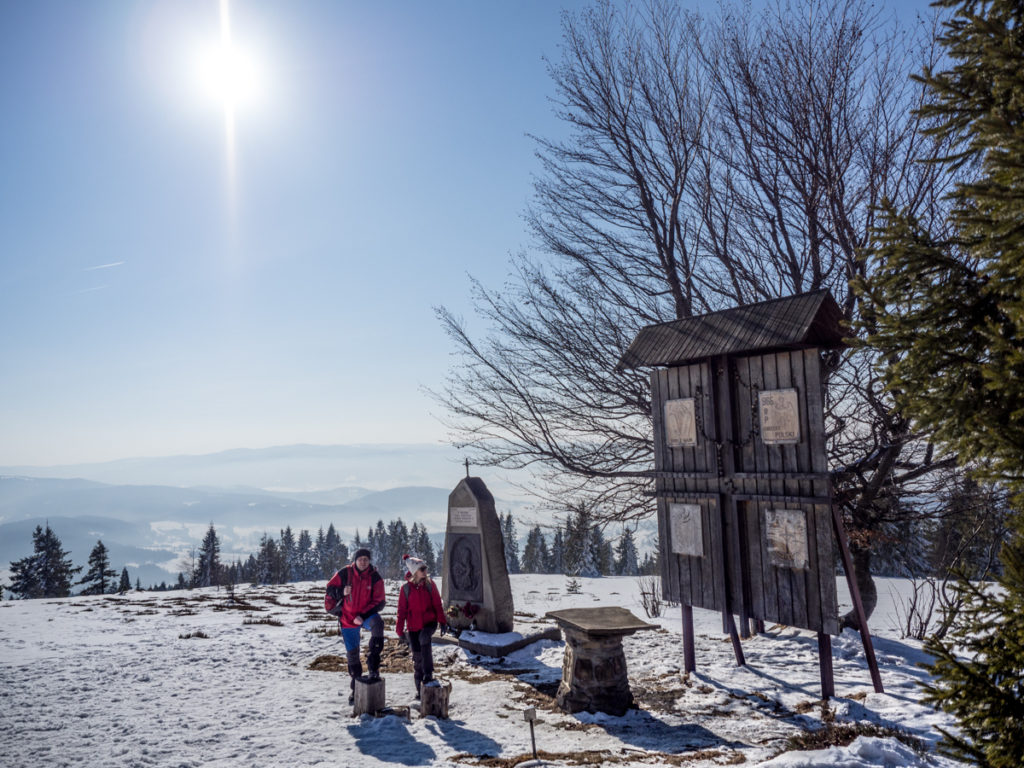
[{"x": 710, "y": 163}]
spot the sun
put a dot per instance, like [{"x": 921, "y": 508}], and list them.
[
  {"x": 228, "y": 74},
  {"x": 229, "y": 77}
]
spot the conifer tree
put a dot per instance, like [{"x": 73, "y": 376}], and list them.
[
  {"x": 948, "y": 311},
  {"x": 208, "y": 566},
  {"x": 626, "y": 558},
  {"x": 511, "y": 541},
  {"x": 289, "y": 557},
  {"x": 305, "y": 557},
  {"x": 535, "y": 554},
  {"x": 125, "y": 584},
  {"x": 47, "y": 572},
  {"x": 556, "y": 562},
  {"x": 100, "y": 575}
]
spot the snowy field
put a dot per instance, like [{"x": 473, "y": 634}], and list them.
[{"x": 191, "y": 679}]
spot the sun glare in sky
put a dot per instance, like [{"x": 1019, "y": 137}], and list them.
[{"x": 230, "y": 78}]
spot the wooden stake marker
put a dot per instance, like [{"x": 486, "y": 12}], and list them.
[
  {"x": 370, "y": 696},
  {"x": 434, "y": 699}
]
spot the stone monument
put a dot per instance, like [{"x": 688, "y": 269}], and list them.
[
  {"x": 475, "y": 588},
  {"x": 594, "y": 665}
]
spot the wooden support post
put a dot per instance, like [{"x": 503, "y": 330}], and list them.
[
  {"x": 858, "y": 604},
  {"x": 434, "y": 699},
  {"x": 759, "y": 626},
  {"x": 736, "y": 647},
  {"x": 828, "y": 683},
  {"x": 369, "y": 697},
  {"x": 689, "y": 657}
]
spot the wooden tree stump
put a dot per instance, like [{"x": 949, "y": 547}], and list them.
[
  {"x": 369, "y": 696},
  {"x": 434, "y": 700}
]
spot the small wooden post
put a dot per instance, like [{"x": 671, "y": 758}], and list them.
[
  {"x": 689, "y": 656},
  {"x": 828, "y": 683},
  {"x": 434, "y": 699},
  {"x": 369, "y": 696},
  {"x": 736, "y": 647},
  {"x": 858, "y": 604}
]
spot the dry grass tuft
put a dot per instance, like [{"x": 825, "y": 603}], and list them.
[
  {"x": 197, "y": 634},
  {"x": 266, "y": 620},
  {"x": 329, "y": 663},
  {"x": 842, "y": 734}
]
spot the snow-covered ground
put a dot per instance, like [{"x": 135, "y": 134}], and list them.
[{"x": 118, "y": 681}]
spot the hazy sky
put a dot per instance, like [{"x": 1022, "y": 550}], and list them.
[{"x": 159, "y": 297}]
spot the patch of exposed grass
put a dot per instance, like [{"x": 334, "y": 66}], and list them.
[
  {"x": 599, "y": 757},
  {"x": 842, "y": 734},
  {"x": 329, "y": 663},
  {"x": 197, "y": 634},
  {"x": 324, "y": 630},
  {"x": 266, "y": 620}
]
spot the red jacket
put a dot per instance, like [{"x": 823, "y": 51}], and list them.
[
  {"x": 418, "y": 604},
  {"x": 367, "y": 596}
]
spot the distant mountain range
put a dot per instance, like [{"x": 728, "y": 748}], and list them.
[
  {"x": 150, "y": 512},
  {"x": 280, "y": 468}
]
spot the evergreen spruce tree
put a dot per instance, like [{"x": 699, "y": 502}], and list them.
[
  {"x": 511, "y": 541},
  {"x": 626, "y": 558},
  {"x": 556, "y": 562},
  {"x": 26, "y": 580},
  {"x": 182, "y": 584},
  {"x": 208, "y": 565},
  {"x": 948, "y": 312},
  {"x": 595, "y": 553},
  {"x": 125, "y": 585},
  {"x": 306, "y": 558},
  {"x": 535, "y": 554},
  {"x": 100, "y": 575},
  {"x": 47, "y": 572},
  {"x": 289, "y": 557},
  {"x": 321, "y": 554}
]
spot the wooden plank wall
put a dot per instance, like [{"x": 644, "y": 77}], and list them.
[
  {"x": 695, "y": 581},
  {"x": 796, "y": 476},
  {"x": 767, "y": 477}
]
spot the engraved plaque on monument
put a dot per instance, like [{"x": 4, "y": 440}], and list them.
[
  {"x": 680, "y": 423},
  {"x": 780, "y": 421},
  {"x": 786, "y": 530},
  {"x": 687, "y": 529},
  {"x": 475, "y": 588}
]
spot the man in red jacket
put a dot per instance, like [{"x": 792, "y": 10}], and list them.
[
  {"x": 355, "y": 594},
  {"x": 419, "y": 604}
]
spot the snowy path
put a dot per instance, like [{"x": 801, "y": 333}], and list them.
[{"x": 108, "y": 681}]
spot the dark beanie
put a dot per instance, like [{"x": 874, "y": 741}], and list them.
[{"x": 361, "y": 553}]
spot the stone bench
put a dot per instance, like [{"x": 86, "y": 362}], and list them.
[{"x": 594, "y": 666}]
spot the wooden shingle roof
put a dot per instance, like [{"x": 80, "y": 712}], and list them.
[{"x": 794, "y": 322}]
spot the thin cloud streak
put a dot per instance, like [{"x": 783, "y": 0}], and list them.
[
  {"x": 88, "y": 290},
  {"x": 104, "y": 266}
]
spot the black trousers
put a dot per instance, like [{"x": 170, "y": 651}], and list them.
[{"x": 422, "y": 653}]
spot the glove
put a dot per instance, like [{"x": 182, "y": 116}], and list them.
[{"x": 402, "y": 639}]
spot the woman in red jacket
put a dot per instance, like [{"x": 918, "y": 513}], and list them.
[{"x": 419, "y": 610}]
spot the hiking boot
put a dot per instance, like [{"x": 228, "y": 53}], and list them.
[{"x": 373, "y": 677}]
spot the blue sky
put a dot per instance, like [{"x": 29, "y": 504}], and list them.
[
  {"x": 150, "y": 306},
  {"x": 385, "y": 159}
]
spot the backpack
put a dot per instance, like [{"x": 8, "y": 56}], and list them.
[{"x": 334, "y": 596}]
